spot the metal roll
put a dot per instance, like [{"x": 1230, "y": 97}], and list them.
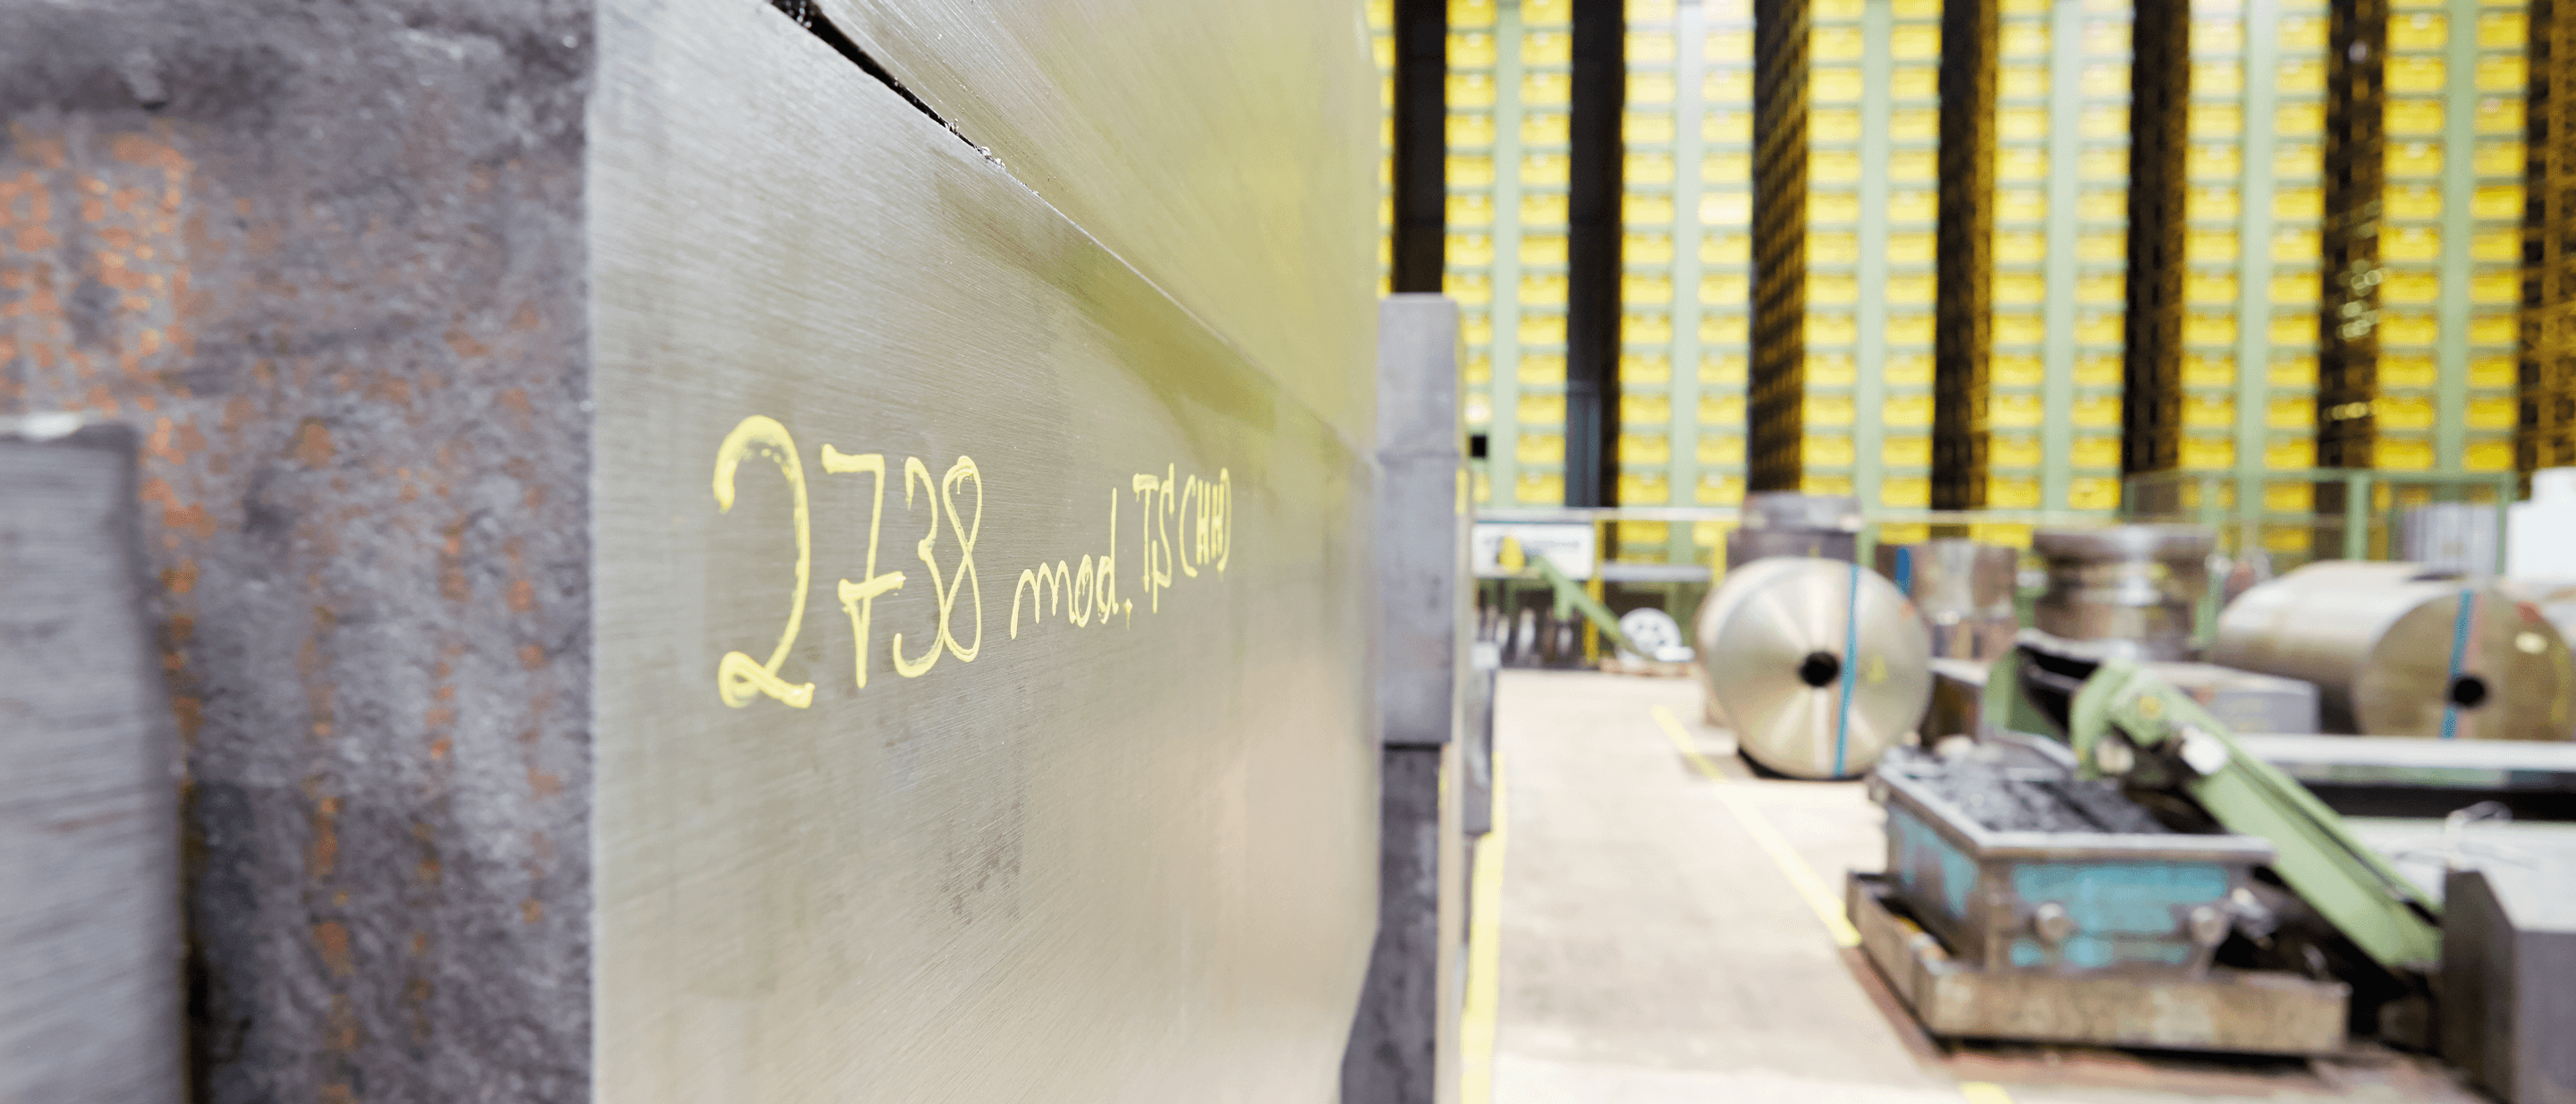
[
  {"x": 2136, "y": 584},
  {"x": 1820, "y": 666},
  {"x": 2395, "y": 651},
  {"x": 1713, "y": 610},
  {"x": 1965, "y": 589}
]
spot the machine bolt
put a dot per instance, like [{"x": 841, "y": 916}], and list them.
[
  {"x": 2208, "y": 926},
  {"x": 2053, "y": 923},
  {"x": 2113, "y": 756},
  {"x": 2202, "y": 752}
]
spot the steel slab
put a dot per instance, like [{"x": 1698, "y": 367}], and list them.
[{"x": 1094, "y": 819}]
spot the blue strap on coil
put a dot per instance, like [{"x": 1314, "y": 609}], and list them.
[
  {"x": 1851, "y": 667},
  {"x": 2459, "y": 652},
  {"x": 1904, "y": 570}
]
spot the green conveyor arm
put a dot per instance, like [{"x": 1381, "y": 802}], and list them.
[
  {"x": 2122, "y": 709},
  {"x": 1570, "y": 596}
]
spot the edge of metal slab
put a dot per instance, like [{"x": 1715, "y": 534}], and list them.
[{"x": 2248, "y": 1012}]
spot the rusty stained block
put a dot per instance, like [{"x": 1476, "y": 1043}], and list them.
[{"x": 330, "y": 267}]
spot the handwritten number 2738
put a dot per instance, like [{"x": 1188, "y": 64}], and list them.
[{"x": 740, "y": 679}]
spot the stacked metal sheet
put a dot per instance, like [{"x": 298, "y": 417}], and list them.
[
  {"x": 2136, "y": 584},
  {"x": 1787, "y": 523},
  {"x": 1965, "y": 590}
]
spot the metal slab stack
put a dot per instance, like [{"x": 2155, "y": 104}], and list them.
[
  {"x": 1964, "y": 588},
  {"x": 2396, "y": 650},
  {"x": 1787, "y": 523},
  {"x": 2132, "y": 584}
]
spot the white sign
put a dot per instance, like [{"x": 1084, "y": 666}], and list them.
[{"x": 1568, "y": 545}]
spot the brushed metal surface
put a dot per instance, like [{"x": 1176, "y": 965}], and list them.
[
  {"x": 1121, "y": 847},
  {"x": 1798, "y": 609},
  {"x": 90, "y": 942},
  {"x": 2377, "y": 640},
  {"x": 1714, "y": 608},
  {"x": 1225, "y": 148}
]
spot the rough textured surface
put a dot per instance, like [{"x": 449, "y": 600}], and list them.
[
  {"x": 1425, "y": 600},
  {"x": 328, "y": 262},
  {"x": 1397, "y": 1040},
  {"x": 89, "y": 856},
  {"x": 2005, "y": 801}
]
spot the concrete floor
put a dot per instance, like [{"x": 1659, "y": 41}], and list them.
[{"x": 1652, "y": 950}]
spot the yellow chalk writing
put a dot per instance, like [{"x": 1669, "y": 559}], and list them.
[
  {"x": 738, "y": 679},
  {"x": 860, "y": 597},
  {"x": 1186, "y": 524}
]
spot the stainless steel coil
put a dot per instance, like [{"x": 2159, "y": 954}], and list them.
[
  {"x": 2399, "y": 650},
  {"x": 1820, "y": 666},
  {"x": 1965, "y": 590},
  {"x": 2134, "y": 584},
  {"x": 1713, "y": 610}
]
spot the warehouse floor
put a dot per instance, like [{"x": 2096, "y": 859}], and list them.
[{"x": 1668, "y": 936}]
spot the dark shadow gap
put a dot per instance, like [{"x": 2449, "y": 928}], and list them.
[{"x": 809, "y": 15}]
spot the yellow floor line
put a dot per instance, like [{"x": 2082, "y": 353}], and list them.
[
  {"x": 1819, "y": 896},
  {"x": 1984, "y": 1092},
  {"x": 1476, "y": 1020}
]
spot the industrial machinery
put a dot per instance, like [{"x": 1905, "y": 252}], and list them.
[
  {"x": 1965, "y": 590},
  {"x": 1818, "y": 665},
  {"x": 2241, "y": 892},
  {"x": 2021, "y": 903},
  {"x": 2137, "y": 584},
  {"x": 2402, "y": 650}
]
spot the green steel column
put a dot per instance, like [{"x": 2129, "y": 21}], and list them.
[
  {"x": 1502, "y": 440},
  {"x": 2065, "y": 168},
  {"x": 1690, "y": 147},
  {"x": 2459, "y": 183},
  {"x": 2254, "y": 251},
  {"x": 1869, "y": 353}
]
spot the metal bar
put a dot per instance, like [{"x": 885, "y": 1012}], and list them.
[
  {"x": 2064, "y": 180},
  {"x": 1584, "y": 598},
  {"x": 2356, "y": 517},
  {"x": 1690, "y": 145},
  {"x": 1503, "y": 428},
  {"x": 2459, "y": 183},
  {"x": 1869, "y": 350},
  {"x": 1594, "y": 588},
  {"x": 2254, "y": 257}
]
